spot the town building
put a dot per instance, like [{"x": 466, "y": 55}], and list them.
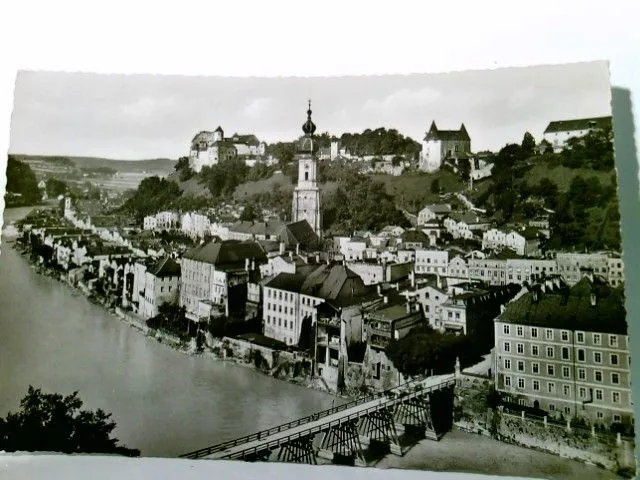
[
  {"x": 306, "y": 195},
  {"x": 565, "y": 350},
  {"x": 439, "y": 145},
  {"x": 465, "y": 225},
  {"x": 433, "y": 212},
  {"x": 431, "y": 261},
  {"x": 559, "y": 132},
  {"x": 210, "y": 148},
  {"x": 161, "y": 284},
  {"x": 572, "y": 265},
  {"x": 214, "y": 277}
]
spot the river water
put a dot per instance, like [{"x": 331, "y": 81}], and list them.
[{"x": 166, "y": 402}]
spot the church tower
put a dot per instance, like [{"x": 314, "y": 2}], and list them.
[{"x": 306, "y": 195}]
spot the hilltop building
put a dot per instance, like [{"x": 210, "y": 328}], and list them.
[
  {"x": 559, "y": 132},
  {"x": 210, "y": 148},
  {"x": 439, "y": 145},
  {"x": 306, "y": 195}
]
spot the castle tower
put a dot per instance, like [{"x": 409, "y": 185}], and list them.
[{"x": 306, "y": 195}]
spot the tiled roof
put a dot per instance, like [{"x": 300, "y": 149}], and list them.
[
  {"x": 300, "y": 233},
  {"x": 228, "y": 253},
  {"x": 245, "y": 139},
  {"x": 447, "y": 135},
  {"x": 571, "y": 308},
  {"x": 167, "y": 267},
  {"x": 578, "y": 124},
  {"x": 441, "y": 208}
]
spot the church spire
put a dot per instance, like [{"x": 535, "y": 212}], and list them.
[{"x": 309, "y": 127}]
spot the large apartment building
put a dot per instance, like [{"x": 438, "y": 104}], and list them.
[{"x": 565, "y": 350}]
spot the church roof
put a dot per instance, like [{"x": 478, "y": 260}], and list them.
[{"x": 300, "y": 233}]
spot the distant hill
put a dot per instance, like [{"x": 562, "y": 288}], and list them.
[{"x": 124, "y": 166}]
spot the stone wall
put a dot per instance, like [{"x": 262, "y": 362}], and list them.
[{"x": 472, "y": 414}]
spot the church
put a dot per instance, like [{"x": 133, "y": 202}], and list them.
[{"x": 306, "y": 195}]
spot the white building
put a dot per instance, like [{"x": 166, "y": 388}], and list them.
[
  {"x": 441, "y": 144},
  {"x": 431, "y": 261},
  {"x": 161, "y": 285},
  {"x": 432, "y": 213},
  {"x": 559, "y": 132}
]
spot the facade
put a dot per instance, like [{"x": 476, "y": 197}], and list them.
[
  {"x": 433, "y": 212},
  {"x": 210, "y": 148},
  {"x": 306, "y": 195},
  {"x": 441, "y": 144},
  {"x": 573, "y": 265},
  {"x": 212, "y": 271},
  {"x": 161, "y": 285},
  {"x": 431, "y": 261},
  {"x": 565, "y": 350},
  {"x": 559, "y": 132}
]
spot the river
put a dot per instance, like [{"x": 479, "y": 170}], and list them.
[{"x": 166, "y": 402}]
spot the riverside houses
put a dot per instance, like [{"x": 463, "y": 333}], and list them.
[
  {"x": 214, "y": 277},
  {"x": 160, "y": 285},
  {"x": 565, "y": 350}
]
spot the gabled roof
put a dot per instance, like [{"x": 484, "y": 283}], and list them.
[
  {"x": 300, "y": 233},
  {"x": 414, "y": 236},
  {"x": 230, "y": 253},
  {"x": 439, "y": 209},
  {"x": 247, "y": 139},
  {"x": 578, "y": 124},
  {"x": 435, "y": 134},
  {"x": 167, "y": 267}
]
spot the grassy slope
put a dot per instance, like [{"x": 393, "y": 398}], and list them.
[
  {"x": 563, "y": 176},
  {"x": 157, "y": 164}
]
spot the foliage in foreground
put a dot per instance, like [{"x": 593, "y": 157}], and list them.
[{"x": 49, "y": 422}]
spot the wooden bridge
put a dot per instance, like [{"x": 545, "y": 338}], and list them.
[{"x": 346, "y": 431}]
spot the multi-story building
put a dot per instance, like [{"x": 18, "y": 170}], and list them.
[
  {"x": 573, "y": 265},
  {"x": 212, "y": 273},
  {"x": 565, "y": 350},
  {"x": 520, "y": 270},
  {"x": 210, "y": 148},
  {"x": 431, "y": 261},
  {"x": 161, "y": 285},
  {"x": 289, "y": 298},
  {"x": 458, "y": 268},
  {"x": 559, "y": 132},
  {"x": 432, "y": 213},
  {"x": 441, "y": 144},
  {"x": 465, "y": 225},
  {"x": 615, "y": 270}
]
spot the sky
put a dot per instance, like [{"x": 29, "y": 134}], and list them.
[{"x": 133, "y": 117}]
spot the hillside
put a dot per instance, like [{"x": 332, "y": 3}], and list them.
[{"x": 155, "y": 165}]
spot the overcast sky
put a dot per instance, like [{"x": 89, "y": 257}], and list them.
[{"x": 150, "y": 116}]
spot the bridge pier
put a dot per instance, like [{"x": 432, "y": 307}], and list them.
[
  {"x": 341, "y": 443},
  {"x": 380, "y": 425},
  {"x": 298, "y": 451}
]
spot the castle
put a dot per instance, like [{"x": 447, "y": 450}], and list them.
[
  {"x": 439, "y": 145},
  {"x": 211, "y": 148}
]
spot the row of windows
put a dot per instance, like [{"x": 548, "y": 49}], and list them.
[
  {"x": 614, "y": 358},
  {"x": 536, "y": 332},
  {"x": 280, "y": 322},
  {"x": 566, "y": 371},
  {"x": 597, "y": 393}
]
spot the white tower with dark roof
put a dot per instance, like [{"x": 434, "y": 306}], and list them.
[{"x": 306, "y": 195}]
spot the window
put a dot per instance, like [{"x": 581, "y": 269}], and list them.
[
  {"x": 535, "y": 368},
  {"x": 507, "y": 364},
  {"x": 566, "y": 390},
  {"x": 580, "y": 337},
  {"x": 551, "y": 370},
  {"x": 617, "y": 418},
  {"x": 582, "y": 374},
  {"x": 564, "y": 335},
  {"x": 520, "y": 348},
  {"x": 613, "y": 340},
  {"x": 534, "y": 332},
  {"x": 582, "y": 392},
  {"x": 581, "y": 355},
  {"x": 597, "y": 339},
  {"x": 552, "y": 407},
  {"x": 600, "y": 415},
  {"x": 507, "y": 381},
  {"x": 505, "y": 329},
  {"x": 520, "y": 366},
  {"x": 597, "y": 357},
  {"x": 550, "y": 352},
  {"x": 521, "y": 383},
  {"x": 565, "y": 372},
  {"x": 507, "y": 347},
  {"x": 535, "y": 350},
  {"x": 565, "y": 353},
  {"x": 536, "y": 385},
  {"x": 519, "y": 331},
  {"x": 551, "y": 387},
  {"x": 597, "y": 376},
  {"x": 614, "y": 359},
  {"x": 598, "y": 394},
  {"x": 615, "y": 378},
  {"x": 548, "y": 334}
]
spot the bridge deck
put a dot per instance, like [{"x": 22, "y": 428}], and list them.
[{"x": 313, "y": 427}]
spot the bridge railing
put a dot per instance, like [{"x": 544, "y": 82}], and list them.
[
  {"x": 272, "y": 444},
  {"x": 204, "y": 452}
]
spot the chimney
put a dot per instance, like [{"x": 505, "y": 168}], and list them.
[
  {"x": 593, "y": 299},
  {"x": 417, "y": 307},
  {"x": 408, "y": 307},
  {"x": 438, "y": 282},
  {"x": 297, "y": 249},
  {"x": 412, "y": 276},
  {"x": 253, "y": 264},
  {"x": 246, "y": 264},
  {"x": 385, "y": 299},
  {"x": 282, "y": 247},
  {"x": 317, "y": 258},
  {"x": 379, "y": 289},
  {"x": 290, "y": 255}
]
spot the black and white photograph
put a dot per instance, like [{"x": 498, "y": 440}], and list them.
[{"x": 417, "y": 272}]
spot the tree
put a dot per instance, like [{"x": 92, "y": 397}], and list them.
[
  {"x": 435, "y": 186},
  {"x": 528, "y": 145},
  {"x": 55, "y": 187},
  {"x": 53, "y": 423},
  {"x": 249, "y": 213},
  {"x": 21, "y": 181}
]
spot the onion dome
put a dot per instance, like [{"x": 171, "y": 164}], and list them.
[{"x": 309, "y": 127}]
